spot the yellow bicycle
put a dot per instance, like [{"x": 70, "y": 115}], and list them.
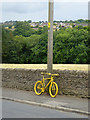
[{"x": 40, "y": 86}]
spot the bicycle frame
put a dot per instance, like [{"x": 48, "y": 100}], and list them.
[{"x": 43, "y": 81}]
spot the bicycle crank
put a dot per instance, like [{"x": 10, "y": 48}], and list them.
[{"x": 43, "y": 89}]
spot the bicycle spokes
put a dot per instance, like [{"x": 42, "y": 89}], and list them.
[
  {"x": 39, "y": 86},
  {"x": 53, "y": 87}
]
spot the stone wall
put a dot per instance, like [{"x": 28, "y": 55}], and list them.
[{"x": 69, "y": 82}]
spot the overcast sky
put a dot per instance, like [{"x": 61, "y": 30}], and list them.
[{"x": 38, "y": 11}]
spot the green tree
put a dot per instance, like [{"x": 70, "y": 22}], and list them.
[
  {"x": 24, "y": 29},
  {"x": 39, "y": 31},
  {"x": 29, "y": 21},
  {"x": 71, "y": 46},
  {"x": 25, "y": 47},
  {"x": 39, "y": 51},
  {"x": 8, "y": 47}
]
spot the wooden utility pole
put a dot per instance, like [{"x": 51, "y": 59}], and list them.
[{"x": 50, "y": 38}]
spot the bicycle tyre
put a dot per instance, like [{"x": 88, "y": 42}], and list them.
[
  {"x": 38, "y": 88},
  {"x": 54, "y": 92}
]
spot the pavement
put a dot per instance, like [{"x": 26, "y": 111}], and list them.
[{"x": 60, "y": 102}]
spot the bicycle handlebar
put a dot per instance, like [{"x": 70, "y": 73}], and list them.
[{"x": 49, "y": 74}]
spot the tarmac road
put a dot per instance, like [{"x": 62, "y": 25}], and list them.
[{"x": 11, "y": 109}]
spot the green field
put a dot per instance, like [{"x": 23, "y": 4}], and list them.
[{"x": 81, "y": 67}]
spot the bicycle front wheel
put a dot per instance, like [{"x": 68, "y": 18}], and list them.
[
  {"x": 38, "y": 87},
  {"x": 53, "y": 89}
]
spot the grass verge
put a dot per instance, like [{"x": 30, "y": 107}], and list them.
[{"x": 81, "y": 67}]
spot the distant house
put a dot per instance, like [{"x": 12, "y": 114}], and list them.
[
  {"x": 57, "y": 28},
  {"x": 54, "y": 27},
  {"x": 84, "y": 25},
  {"x": 41, "y": 25},
  {"x": 68, "y": 25},
  {"x": 33, "y": 24},
  {"x": 35, "y": 28},
  {"x": 6, "y": 27},
  {"x": 58, "y": 24},
  {"x": 62, "y": 24},
  {"x": 13, "y": 28},
  {"x": 45, "y": 24}
]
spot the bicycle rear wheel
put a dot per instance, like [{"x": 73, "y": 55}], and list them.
[
  {"x": 38, "y": 88},
  {"x": 53, "y": 89}
]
